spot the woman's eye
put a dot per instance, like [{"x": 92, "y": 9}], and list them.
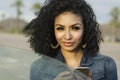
[
  {"x": 59, "y": 28},
  {"x": 76, "y": 28}
]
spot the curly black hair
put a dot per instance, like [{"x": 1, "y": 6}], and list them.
[{"x": 41, "y": 29}]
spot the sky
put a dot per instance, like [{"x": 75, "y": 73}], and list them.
[{"x": 101, "y": 8}]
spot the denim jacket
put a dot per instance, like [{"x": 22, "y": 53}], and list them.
[
  {"x": 102, "y": 67},
  {"x": 46, "y": 68}
]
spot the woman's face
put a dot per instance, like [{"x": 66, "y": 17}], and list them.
[{"x": 68, "y": 30}]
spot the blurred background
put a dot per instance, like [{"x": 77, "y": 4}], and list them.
[{"x": 15, "y": 54}]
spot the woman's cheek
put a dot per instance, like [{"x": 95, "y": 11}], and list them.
[{"x": 59, "y": 36}]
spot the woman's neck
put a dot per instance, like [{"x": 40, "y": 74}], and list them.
[{"x": 72, "y": 58}]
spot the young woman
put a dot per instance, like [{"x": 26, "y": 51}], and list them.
[{"x": 67, "y": 30}]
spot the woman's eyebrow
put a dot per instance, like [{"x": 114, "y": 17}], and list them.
[
  {"x": 76, "y": 24},
  {"x": 71, "y": 25},
  {"x": 59, "y": 25}
]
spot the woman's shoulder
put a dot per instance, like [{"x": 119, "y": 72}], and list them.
[
  {"x": 109, "y": 65},
  {"x": 40, "y": 63},
  {"x": 104, "y": 59},
  {"x": 45, "y": 61},
  {"x": 104, "y": 64},
  {"x": 46, "y": 68},
  {"x": 47, "y": 64},
  {"x": 100, "y": 56}
]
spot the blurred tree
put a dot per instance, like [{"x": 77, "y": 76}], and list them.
[
  {"x": 18, "y": 4},
  {"x": 36, "y": 6},
  {"x": 114, "y": 23},
  {"x": 3, "y": 16}
]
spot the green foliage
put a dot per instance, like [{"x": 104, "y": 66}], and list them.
[
  {"x": 1, "y": 28},
  {"x": 114, "y": 23},
  {"x": 15, "y": 30},
  {"x": 115, "y": 12},
  {"x": 2, "y": 16},
  {"x": 36, "y": 6}
]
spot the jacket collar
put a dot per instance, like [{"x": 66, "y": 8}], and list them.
[{"x": 85, "y": 62}]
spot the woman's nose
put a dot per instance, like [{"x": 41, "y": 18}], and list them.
[{"x": 68, "y": 35}]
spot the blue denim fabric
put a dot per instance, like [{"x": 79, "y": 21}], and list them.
[
  {"x": 102, "y": 67},
  {"x": 47, "y": 68}
]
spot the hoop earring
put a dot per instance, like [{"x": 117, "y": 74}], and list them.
[
  {"x": 54, "y": 47},
  {"x": 84, "y": 46}
]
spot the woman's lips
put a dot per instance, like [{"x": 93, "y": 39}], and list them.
[{"x": 68, "y": 44}]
